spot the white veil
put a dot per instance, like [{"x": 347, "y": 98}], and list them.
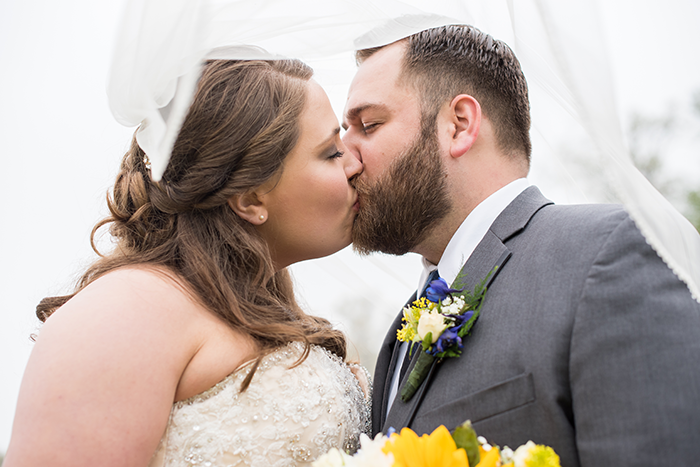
[{"x": 560, "y": 45}]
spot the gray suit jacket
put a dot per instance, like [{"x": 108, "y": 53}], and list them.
[{"x": 586, "y": 342}]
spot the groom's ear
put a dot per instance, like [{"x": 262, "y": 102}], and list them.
[
  {"x": 465, "y": 122},
  {"x": 249, "y": 207}
]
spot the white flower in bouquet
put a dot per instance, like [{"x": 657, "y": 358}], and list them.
[
  {"x": 370, "y": 454},
  {"x": 333, "y": 458},
  {"x": 535, "y": 455}
]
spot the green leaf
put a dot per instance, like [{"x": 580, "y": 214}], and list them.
[
  {"x": 464, "y": 330},
  {"x": 427, "y": 341},
  {"x": 417, "y": 376},
  {"x": 465, "y": 438}
]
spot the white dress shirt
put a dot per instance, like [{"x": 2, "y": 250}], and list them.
[{"x": 460, "y": 248}]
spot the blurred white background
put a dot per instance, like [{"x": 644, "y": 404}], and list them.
[{"x": 61, "y": 148}]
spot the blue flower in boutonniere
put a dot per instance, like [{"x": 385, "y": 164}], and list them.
[
  {"x": 438, "y": 322},
  {"x": 438, "y": 290}
]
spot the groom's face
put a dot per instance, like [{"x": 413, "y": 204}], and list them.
[
  {"x": 382, "y": 115},
  {"x": 402, "y": 189}
]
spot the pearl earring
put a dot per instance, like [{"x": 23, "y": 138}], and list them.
[{"x": 262, "y": 217}]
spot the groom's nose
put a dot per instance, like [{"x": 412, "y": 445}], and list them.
[
  {"x": 351, "y": 144},
  {"x": 353, "y": 165}
]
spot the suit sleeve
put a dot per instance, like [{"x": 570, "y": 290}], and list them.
[{"x": 635, "y": 360}]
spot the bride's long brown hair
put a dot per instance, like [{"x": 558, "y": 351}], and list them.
[{"x": 243, "y": 122}]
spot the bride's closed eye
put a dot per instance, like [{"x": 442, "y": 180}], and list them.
[{"x": 336, "y": 155}]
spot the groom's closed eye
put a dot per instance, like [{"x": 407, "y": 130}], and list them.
[
  {"x": 369, "y": 127},
  {"x": 362, "y": 114}
]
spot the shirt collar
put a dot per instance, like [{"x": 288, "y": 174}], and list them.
[{"x": 471, "y": 231}]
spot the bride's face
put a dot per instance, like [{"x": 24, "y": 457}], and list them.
[{"x": 311, "y": 206}]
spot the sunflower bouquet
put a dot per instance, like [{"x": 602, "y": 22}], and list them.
[{"x": 461, "y": 448}]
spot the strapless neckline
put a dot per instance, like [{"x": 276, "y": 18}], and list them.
[{"x": 287, "y": 417}]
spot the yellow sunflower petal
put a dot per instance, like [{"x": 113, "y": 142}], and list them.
[
  {"x": 441, "y": 450},
  {"x": 435, "y": 450},
  {"x": 403, "y": 446},
  {"x": 491, "y": 458}
]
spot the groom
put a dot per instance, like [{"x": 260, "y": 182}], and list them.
[{"x": 586, "y": 341}]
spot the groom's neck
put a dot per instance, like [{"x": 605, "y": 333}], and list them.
[{"x": 439, "y": 237}]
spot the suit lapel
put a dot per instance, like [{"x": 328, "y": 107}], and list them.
[
  {"x": 489, "y": 254},
  {"x": 492, "y": 251},
  {"x": 386, "y": 364},
  {"x": 402, "y": 413}
]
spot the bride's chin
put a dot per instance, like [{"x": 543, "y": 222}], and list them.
[
  {"x": 337, "y": 245},
  {"x": 347, "y": 240}
]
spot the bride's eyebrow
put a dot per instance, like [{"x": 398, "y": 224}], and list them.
[{"x": 325, "y": 142}]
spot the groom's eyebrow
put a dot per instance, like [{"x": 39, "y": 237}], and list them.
[{"x": 355, "y": 112}]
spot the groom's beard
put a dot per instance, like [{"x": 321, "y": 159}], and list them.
[{"x": 398, "y": 211}]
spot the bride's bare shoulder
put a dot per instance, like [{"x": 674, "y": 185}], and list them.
[
  {"x": 140, "y": 278},
  {"x": 119, "y": 346},
  {"x": 157, "y": 303},
  {"x": 137, "y": 289},
  {"x": 132, "y": 301}
]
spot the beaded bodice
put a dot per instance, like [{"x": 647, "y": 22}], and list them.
[{"x": 286, "y": 417}]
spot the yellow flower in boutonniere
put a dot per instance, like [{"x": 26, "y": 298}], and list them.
[{"x": 435, "y": 450}]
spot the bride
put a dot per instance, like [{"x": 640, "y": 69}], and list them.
[{"x": 184, "y": 345}]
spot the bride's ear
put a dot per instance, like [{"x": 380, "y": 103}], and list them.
[{"x": 249, "y": 207}]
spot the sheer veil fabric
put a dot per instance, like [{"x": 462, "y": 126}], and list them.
[{"x": 561, "y": 47}]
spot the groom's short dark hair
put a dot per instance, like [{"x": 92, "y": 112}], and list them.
[{"x": 441, "y": 63}]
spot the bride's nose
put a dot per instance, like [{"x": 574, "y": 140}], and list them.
[{"x": 353, "y": 167}]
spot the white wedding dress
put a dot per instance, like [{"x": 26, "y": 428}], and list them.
[{"x": 286, "y": 417}]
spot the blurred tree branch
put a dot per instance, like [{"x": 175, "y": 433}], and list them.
[
  {"x": 664, "y": 147},
  {"x": 650, "y": 140}
]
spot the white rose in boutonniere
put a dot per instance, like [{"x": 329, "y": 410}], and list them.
[{"x": 431, "y": 323}]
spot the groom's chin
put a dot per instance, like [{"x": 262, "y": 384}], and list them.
[
  {"x": 375, "y": 235},
  {"x": 361, "y": 250},
  {"x": 366, "y": 250}
]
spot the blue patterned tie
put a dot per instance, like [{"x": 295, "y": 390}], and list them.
[{"x": 409, "y": 354}]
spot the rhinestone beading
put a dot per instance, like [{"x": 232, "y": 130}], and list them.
[{"x": 288, "y": 416}]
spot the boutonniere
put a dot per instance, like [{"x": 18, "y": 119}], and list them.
[{"x": 438, "y": 322}]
